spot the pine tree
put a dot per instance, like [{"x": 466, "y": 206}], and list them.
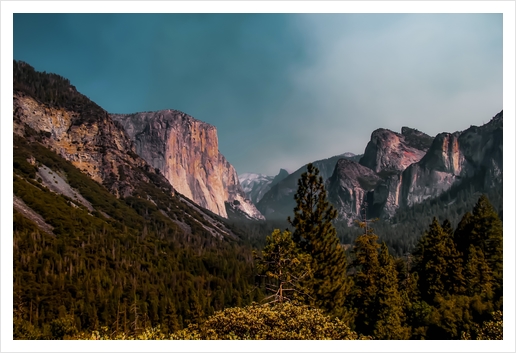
[
  {"x": 316, "y": 236},
  {"x": 391, "y": 316},
  {"x": 482, "y": 232},
  {"x": 488, "y": 229},
  {"x": 365, "y": 288},
  {"x": 438, "y": 264},
  {"x": 284, "y": 266},
  {"x": 454, "y": 282},
  {"x": 478, "y": 275},
  {"x": 462, "y": 235}
]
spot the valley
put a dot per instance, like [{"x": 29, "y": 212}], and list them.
[{"x": 134, "y": 221}]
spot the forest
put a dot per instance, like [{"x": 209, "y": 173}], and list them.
[{"x": 121, "y": 279}]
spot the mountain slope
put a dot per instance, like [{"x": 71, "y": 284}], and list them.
[
  {"x": 348, "y": 187},
  {"x": 278, "y": 203},
  {"x": 98, "y": 233}
]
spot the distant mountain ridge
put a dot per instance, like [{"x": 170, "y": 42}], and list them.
[
  {"x": 256, "y": 185},
  {"x": 399, "y": 170},
  {"x": 278, "y": 203}
]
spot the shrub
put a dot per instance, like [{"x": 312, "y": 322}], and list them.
[{"x": 285, "y": 321}]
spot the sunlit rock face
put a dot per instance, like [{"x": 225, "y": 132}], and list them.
[
  {"x": 185, "y": 150},
  {"x": 389, "y": 152},
  {"x": 99, "y": 147},
  {"x": 476, "y": 152},
  {"x": 348, "y": 187}
]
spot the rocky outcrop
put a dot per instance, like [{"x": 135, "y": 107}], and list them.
[
  {"x": 389, "y": 153},
  {"x": 348, "y": 188},
  {"x": 278, "y": 203},
  {"x": 474, "y": 153},
  {"x": 185, "y": 150},
  {"x": 98, "y": 147}
]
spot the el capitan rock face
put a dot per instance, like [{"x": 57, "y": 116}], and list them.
[{"x": 185, "y": 150}]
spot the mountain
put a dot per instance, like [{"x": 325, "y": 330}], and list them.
[
  {"x": 98, "y": 233},
  {"x": 453, "y": 157},
  {"x": 256, "y": 185},
  {"x": 185, "y": 151},
  {"x": 389, "y": 152},
  {"x": 400, "y": 170},
  {"x": 278, "y": 203},
  {"x": 348, "y": 187}
]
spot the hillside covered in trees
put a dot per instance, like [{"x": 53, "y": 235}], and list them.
[{"x": 451, "y": 287}]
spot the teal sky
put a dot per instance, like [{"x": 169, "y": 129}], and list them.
[{"x": 282, "y": 89}]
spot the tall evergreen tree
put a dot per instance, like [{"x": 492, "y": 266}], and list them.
[
  {"x": 462, "y": 235},
  {"x": 488, "y": 229},
  {"x": 391, "y": 315},
  {"x": 478, "y": 275},
  {"x": 284, "y": 267},
  {"x": 316, "y": 236},
  {"x": 365, "y": 286},
  {"x": 481, "y": 232},
  {"x": 438, "y": 264}
]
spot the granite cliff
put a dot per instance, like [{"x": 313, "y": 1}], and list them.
[
  {"x": 390, "y": 153},
  {"x": 185, "y": 150},
  {"x": 474, "y": 153},
  {"x": 52, "y": 118},
  {"x": 278, "y": 203},
  {"x": 348, "y": 188}
]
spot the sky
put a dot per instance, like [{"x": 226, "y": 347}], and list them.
[{"x": 282, "y": 89}]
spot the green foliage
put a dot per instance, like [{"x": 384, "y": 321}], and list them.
[
  {"x": 390, "y": 323},
  {"x": 364, "y": 290},
  {"x": 54, "y": 91},
  {"x": 63, "y": 327},
  {"x": 126, "y": 265},
  {"x": 438, "y": 264},
  {"x": 487, "y": 234},
  {"x": 24, "y": 330},
  {"x": 285, "y": 321},
  {"x": 492, "y": 329},
  {"x": 316, "y": 236},
  {"x": 456, "y": 276},
  {"x": 284, "y": 266},
  {"x": 378, "y": 304}
]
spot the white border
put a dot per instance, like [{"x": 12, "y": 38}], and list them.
[{"x": 8, "y": 8}]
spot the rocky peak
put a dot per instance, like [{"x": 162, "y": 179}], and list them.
[
  {"x": 186, "y": 151},
  {"x": 475, "y": 152},
  {"x": 348, "y": 187},
  {"x": 281, "y": 175},
  {"x": 389, "y": 152}
]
